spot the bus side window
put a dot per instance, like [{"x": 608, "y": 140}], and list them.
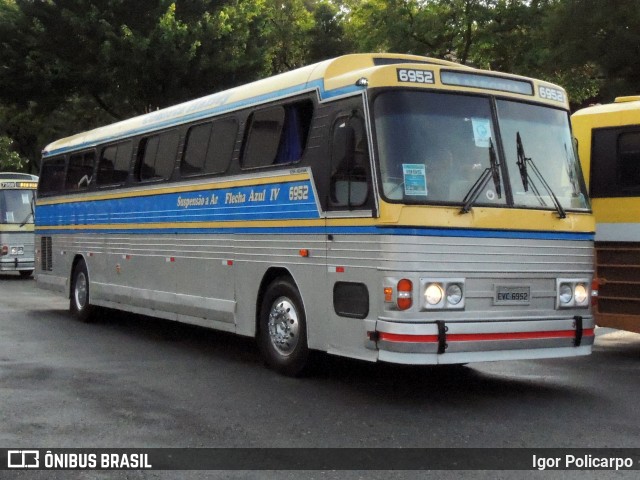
[
  {"x": 113, "y": 167},
  {"x": 297, "y": 124},
  {"x": 278, "y": 135},
  {"x": 265, "y": 128},
  {"x": 349, "y": 186},
  {"x": 80, "y": 171},
  {"x": 209, "y": 147},
  {"x": 157, "y": 155},
  {"x": 629, "y": 159},
  {"x": 51, "y": 176}
]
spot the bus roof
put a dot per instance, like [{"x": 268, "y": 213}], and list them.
[
  {"x": 17, "y": 176},
  {"x": 332, "y": 78},
  {"x": 621, "y": 105}
]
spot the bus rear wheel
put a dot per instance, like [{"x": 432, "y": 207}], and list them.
[
  {"x": 282, "y": 335},
  {"x": 79, "y": 301}
]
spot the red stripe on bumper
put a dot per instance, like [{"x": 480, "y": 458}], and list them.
[
  {"x": 396, "y": 337},
  {"x": 480, "y": 337}
]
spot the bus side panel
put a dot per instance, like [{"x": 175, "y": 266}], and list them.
[
  {"x": 183, "y": 277},
  {"x": 259, "y": 256},
  {"x": 206, "y": 278},
  {"x": 353, "y": 264}
]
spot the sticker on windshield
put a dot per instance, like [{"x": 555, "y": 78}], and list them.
[
  {"x": 481, "y": 131},
  {"x": 25, "y": 198},
  {"x": 415, "y": 179}
]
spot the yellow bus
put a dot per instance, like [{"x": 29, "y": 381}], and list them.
[
  {"x": 609, "y": 145},
  {"x": 17, "y": 198},
  {"x": 383, "y": 207}
]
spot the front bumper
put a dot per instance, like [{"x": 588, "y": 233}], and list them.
[
  {"x": 12, "y": 264},
  {"x": 463, "y": 342}
]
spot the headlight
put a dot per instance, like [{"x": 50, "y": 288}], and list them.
[
  {"x": 565, "y": 294},
  {"x": 433, "y": 294},
  {"x": 572, "y": 293},
  {"x": 454, "y": 294},
  {"x": 580, "y": 294},
  {"x": 442, "y": 293}
]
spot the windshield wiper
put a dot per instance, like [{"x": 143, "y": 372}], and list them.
[
  {"x": 527, "y": 181},
  {"x": 30, "y": 214},
  {"x": 571, "y": 171},
  {"x": 493, "y": 171}
]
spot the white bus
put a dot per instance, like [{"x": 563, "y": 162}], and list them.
[
  {"x": 17, "y": 200},
  {"x": 384, "y": 207}
]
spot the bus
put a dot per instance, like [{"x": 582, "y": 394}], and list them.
[
  {"x": 383, "y": 207},
  {"x": 17, "y": 200},
  {"x": 608, "y": 139}
]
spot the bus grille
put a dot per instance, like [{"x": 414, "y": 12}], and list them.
[
  {"x": 618, "y": 270},
  {"x": 46, "y": 257}
]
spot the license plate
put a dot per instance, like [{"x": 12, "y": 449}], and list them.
[{"x": 512, "y": 295}]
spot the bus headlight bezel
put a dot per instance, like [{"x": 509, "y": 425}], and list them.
[
  {"x": 572, "y": 293},
  {"x": 442, "y": 293}
]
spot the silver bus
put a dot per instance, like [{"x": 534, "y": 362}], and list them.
[
  {"x": 383, "y": 207},
  {"x": 17, "y": 203}
]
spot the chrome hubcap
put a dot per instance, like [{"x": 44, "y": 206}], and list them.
[
  {"x": 283, "y": 326},
  {"x": 80, "y": 292}
]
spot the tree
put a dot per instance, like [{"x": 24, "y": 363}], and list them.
[
  {"x": 71, "y": 65},
  {"x": 10, "y": 161},
  {"x": 441, "y": 29},
  {"x": 599, "y": 37},
  {"x": 327, "y": 36}
]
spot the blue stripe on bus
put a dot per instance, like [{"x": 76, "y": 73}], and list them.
[
  {"x": 396, "y": 231},
  {"x": 179, "y": 120},
  {"x": 284, "y": 200}
]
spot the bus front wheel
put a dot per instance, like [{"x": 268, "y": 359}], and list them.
[
  {"x": 282, "y": 335},
  {"x": 79, "y": 301}
]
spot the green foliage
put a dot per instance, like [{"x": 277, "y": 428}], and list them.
[
  {"x": 72, "y": 65},
  {"x": 10, "y": 161},
  {"x": 599, "y": 35}
]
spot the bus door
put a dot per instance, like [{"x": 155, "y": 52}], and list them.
[{"x": 350, "y": 206}]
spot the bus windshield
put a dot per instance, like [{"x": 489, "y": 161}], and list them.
[
  {"x": 16, "y": 206},
  {"x": 545, "y": 145},
  {"x": 433, "y": 147}
]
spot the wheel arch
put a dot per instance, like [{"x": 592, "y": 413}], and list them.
[
  {"x": 272, "y": 274},
  {"x": 76, "y": 260}
]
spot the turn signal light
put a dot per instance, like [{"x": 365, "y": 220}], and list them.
[
  {"x": 405, "y": 294},
  {"x": 595, "y": 286}
]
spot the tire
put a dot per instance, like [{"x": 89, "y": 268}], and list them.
[
  {"x": 282, "y": 329},
  {"x": 26, "y": 273},
  {"x": 79, "y": 301}
]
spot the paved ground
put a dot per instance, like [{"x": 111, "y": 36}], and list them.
[{"x": 131, "y": 381}]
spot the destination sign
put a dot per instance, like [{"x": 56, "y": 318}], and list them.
[{"x": 491, "y": 82}]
